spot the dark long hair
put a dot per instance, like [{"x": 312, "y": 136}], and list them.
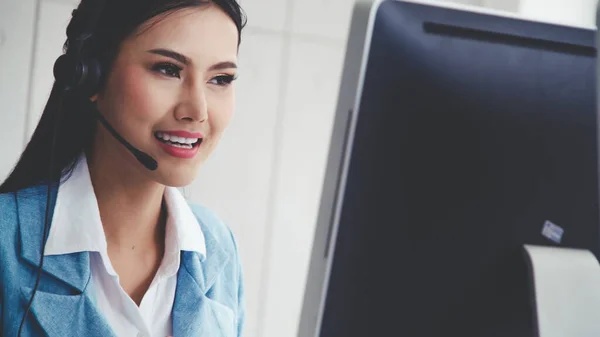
[{"x": 77, "y": 125}]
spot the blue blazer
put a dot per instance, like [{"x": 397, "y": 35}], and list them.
[{"x": 208, "y": 299}]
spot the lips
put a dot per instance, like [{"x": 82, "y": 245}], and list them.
[
  {"x": 181, "y": 144},
  {"x": 178, "y": 141}
]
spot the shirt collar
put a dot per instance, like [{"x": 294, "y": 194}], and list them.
[
  {"x": 187, "y": 229},
  {"x": 77, "y": 226}
]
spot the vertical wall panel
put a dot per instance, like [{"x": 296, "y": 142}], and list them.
[
  {"x": 17, "y": 22},
  {"x": 310, "y": 99}
]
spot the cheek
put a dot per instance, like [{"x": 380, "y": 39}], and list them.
[
  {"x": 136, "y": 97},
  {"x": 221, "y": 113}
]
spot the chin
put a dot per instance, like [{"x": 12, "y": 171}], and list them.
[
  {"x": 176, "y": 182},
  {"x": 176, "y": 178}
]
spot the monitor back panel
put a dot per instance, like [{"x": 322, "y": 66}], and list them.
[{"x": 473, "y": 132}]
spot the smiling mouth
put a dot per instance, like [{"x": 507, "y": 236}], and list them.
[{"x": 179, "y": 142}]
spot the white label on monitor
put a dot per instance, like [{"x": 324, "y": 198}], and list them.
[{"x": 552, "y": 232}]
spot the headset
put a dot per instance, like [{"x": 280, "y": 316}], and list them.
[{"x": 79, "y": 76}]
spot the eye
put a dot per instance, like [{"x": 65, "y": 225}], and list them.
[
  {"x": 168, "y": 69},
  {"x": 223, "y": 80}
]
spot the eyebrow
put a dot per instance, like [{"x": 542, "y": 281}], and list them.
[
  {"x": 171, "y": 54},
  {"x": 186, "y": 61},
  {"x": 223, "y": 65}
]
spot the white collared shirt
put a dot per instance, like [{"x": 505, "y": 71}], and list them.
[{"x": 77, "y": 227}]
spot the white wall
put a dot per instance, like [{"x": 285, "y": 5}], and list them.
[
  {"x": 265, "y": 177},
  {"x": 567, "y": 12},
  {"x": 505, "y": 5}
]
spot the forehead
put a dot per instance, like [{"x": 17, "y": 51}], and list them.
[{"x": 204, "y": 34}]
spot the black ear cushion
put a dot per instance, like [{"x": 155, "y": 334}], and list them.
[
  {"x": 93, "y": 74},
  {"x": 82, "y": 76}
]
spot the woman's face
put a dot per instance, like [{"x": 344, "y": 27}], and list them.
[{"x": 170, "y": 93}]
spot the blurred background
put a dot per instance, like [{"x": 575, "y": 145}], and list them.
[{"x": 265, "y": 178}]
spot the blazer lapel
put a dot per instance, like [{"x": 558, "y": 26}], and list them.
[
  {"x": 66, "y": 315},
  {"x": 194, "y": 313},
  {"x": 62, "y": 305}
]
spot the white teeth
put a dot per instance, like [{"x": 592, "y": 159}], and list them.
[
  {"x": 176, "y": 139},
  {"x": 183, "y": 146}
]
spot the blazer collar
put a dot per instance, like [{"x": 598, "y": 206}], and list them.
[
  {"x": 193, "y": 309},
  {"x": 62, "y": 305},
  {"x": 71, "y": 269}
]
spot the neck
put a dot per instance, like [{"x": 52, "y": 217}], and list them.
[{"x": 130, "y": 206}]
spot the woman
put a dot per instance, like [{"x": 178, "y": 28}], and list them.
[{"x": 125, "y": 255}]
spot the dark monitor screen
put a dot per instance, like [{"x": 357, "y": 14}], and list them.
[{"x": 473, "y": 132}]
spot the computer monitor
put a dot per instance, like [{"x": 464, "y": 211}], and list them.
[{"x": 460, "y": 136}]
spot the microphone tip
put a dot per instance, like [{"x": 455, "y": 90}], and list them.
[{"x": 147, "y": 161}]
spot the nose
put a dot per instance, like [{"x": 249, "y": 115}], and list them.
[{"x": 193, "y": 106}]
